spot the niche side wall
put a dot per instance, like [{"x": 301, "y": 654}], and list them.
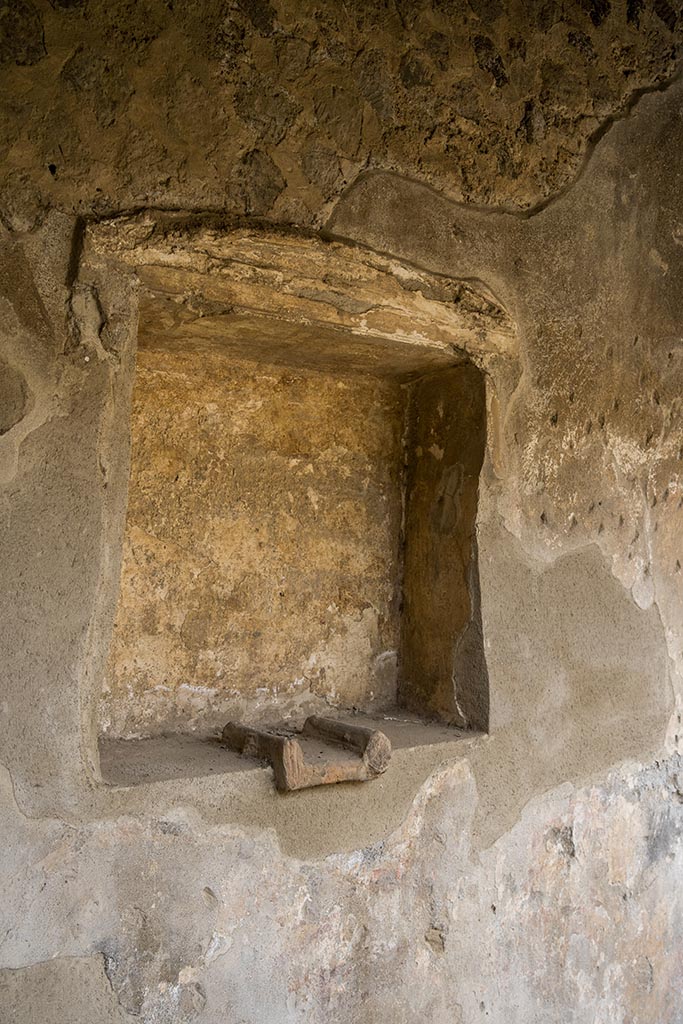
[{"x": 443, "y": 668}]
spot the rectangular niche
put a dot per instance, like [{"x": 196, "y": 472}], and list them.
[{"x": 300, "y": 532}]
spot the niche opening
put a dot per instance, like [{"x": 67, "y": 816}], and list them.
[{"x": 300, "y": 534}]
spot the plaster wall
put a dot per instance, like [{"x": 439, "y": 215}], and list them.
[{"x": 535, "y": 877}]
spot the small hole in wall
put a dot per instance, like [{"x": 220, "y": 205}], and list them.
[{"x": 52, "y": 168}]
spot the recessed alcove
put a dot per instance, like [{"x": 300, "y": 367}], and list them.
[{"x": 300, "y": 530}]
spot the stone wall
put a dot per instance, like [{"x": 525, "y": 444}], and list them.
[{"x": 533, "y": 151}]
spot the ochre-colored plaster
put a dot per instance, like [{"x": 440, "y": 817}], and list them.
[{"x": 261, "y": 566}]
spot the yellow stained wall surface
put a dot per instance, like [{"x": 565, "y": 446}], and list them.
[{"x": 262, "y": 546}]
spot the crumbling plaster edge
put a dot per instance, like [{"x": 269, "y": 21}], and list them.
[
  {"x": 627, "y": 108},
  {"x": 543, "y": 555},
  {"x": 625, "y": 774}
]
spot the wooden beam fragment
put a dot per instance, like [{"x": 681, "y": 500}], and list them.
[{"x": 317, "y": 756}]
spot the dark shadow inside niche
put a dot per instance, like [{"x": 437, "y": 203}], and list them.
[
  {"x": 300, "y": 535},
  {"x": 442, "y": 667}
]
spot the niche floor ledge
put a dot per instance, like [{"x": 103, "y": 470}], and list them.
[{"x": 138, "y": 762}]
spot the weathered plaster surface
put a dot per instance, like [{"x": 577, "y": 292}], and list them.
[
  {"x": 66, "y": 990},
  {"x": 537, "y": 877},
  {"x": 273, "y": 108},
  {"x": 574, "y": 914},
  {"x": 262, "y": 555}
]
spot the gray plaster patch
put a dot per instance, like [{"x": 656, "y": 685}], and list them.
[
  {"x": 578, "y": 673},
  {"x": 66, "y": 990}
]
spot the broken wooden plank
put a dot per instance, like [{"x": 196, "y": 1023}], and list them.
[
  {"x": 283, "y": 752},
  {"x": 317, "y": 756},
  {"x": 373, "y": 746}
]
